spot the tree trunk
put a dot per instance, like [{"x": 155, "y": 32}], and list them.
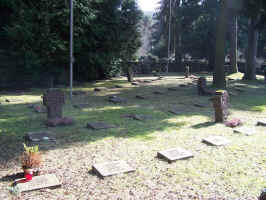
[
  {"x": 178, "y": 37},
  {"x": 219, "y": 73},
  {"x": 233, "y": 44},
  {"x": 130, "y": 73},
  {"x": 253, "y": 34}
]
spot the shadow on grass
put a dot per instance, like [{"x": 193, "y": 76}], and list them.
[{"x": 17, "y": 119}]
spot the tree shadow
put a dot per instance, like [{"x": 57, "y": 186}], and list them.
[{"x": 203, "y": 125}]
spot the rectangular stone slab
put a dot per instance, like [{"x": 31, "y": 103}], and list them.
[
  {"x": 216, "y": 140},
  {"x": 99, "y": 125},
  {"x": 174, "y": 154},
  {"x": 245, "y": 130},
  {"x": 39, "y": 182},
  {"x": 112, "y": 168},
  {"x": 261, "y": 122},
  {"x": 42, "y": 136}
]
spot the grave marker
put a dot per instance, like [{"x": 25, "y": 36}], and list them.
[
  {"x": 245, "y": 130},
  {"x": 174, "y": 154},
  {"x": 112, "y": 168},
  {"x": 261, "y": 122},
  {"x": 39, "y": 137},
  {"x": 216, "y": 140},
  {"x": 99, "y": 125},
  {"x": 220, "y": 104},
  {"x": 39, "y": 182}
]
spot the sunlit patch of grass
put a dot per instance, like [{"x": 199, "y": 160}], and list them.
[{"x": 238, "y": 75}]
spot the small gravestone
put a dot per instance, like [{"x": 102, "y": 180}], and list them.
[
  {"x": 39, "y": 137},
  {"x": 116, "y": 99},
  {"x": 119, "y": 86},
  {"x": 187, "y": 71},
  {"x": 174, "y": 154},
  {"x": 39, "y": 182},
  {"x": 174, "y": 111},
  {"x": 220, "y": 104},
  {"x": 84, "y": 105},
  {"x": 134, "y": 83},
  {"x": 99, "y": 125},
  {"x": 158, "y": 92},
  {"x": 199, "y": 105},
  {"x": 216, "y": 140},
  {"x": 245, "y": 130},
  {"x": 112, "y": 168},
  {"x": 54, "y": 99},
  {"x": 142, "y": 97},
  {"x": 172, "y": 89},
  {"x": 202, "y": 84},
  {"x": 261, "y": 122},
  {"x": 142, "y": 117}
]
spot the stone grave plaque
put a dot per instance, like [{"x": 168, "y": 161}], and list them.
[
  {"x": 174, "y": 154},
  {"x": 261, "y": 122},
  {"x": 174, "y": 111},
  {"x": 80, "y": 106},
  {"x": 245, "y": 130},
  {"x": 134, "y": 83},
  {"x": 116, "y": 99},
  {"x": 111, "y": 168},
  {"x": 216, "y": 140},
  {"x": 39, "y": 182},
  {"x": 119, "y": 86},
  {"x": 142, "y": 97},
  {"x": 158, "y": 92},
  {"x": 99, "y": 125},
  {"x": 39, "y": 137},
  {"x": 199, "y": 105},
  {"x": 142, "y": 117},
  {"x": 172, "y": 89}
]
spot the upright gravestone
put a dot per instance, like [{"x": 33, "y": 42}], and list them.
[
  {"x": 264, "y": 75},
  {"x": 220, "y": 104},
  {"x": 202, "y": 83},
  {"x": 187, "y": 71},
  {"x": 54, "y": 99}
]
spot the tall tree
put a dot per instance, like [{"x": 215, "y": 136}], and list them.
[{"x": 219, "y": 72}]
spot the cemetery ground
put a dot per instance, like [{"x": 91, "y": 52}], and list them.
[{"x": 234, "y": 171}]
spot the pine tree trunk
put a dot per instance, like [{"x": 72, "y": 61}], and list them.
[
  {"x": 219, "y": 73},
  {"x": 178, "y": 46},
  {"x": 233, "y": 44},
  {"x": 250, "y": 72}
]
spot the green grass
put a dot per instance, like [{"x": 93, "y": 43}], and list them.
[{"x": 231, "y": 172}]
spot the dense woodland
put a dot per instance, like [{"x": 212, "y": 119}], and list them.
[{"x": 34, "y": 37}]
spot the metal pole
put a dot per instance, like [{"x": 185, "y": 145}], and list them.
[
  {"x": 169, "y": 34},
  {"x": 71, "y": 47}
]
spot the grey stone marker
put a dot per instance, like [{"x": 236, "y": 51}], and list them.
[
  {"x": 172, "y": 89},
  {"x": 174, "y": 154},
  {"x": 245, "y": 130},
  {"x": 261, "y": 122},
  {"x": 99, "y": 125},
  {"x": 174, "y": 111},
  {"x": 142, "y": 97},
  {"x": 111, "y": 168},
  {"x": 116, "y": 99},
  {"x": 158, "y": 92},
  {"x": 39, "y": 182},
  {"x": 142, "y": 117},
  {"x": 216, "y": 140},
  {"x": 39, "y": 137}
]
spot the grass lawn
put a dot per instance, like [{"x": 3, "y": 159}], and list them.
[{"x": 235, "y": 171}]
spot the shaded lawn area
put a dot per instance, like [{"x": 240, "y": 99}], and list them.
[{"x": 235, "y": 171}]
